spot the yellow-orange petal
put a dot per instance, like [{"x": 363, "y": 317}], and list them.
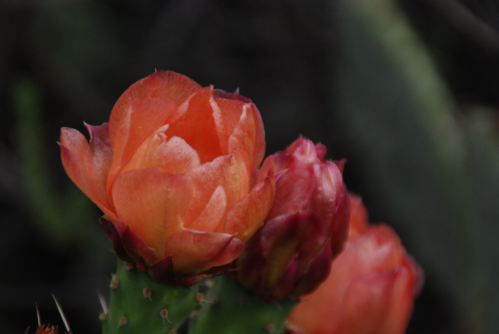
[
  {"x": 197, "y": 126},
  {"x": 161, "y": 84},
  {"x": 213, "y": 214},
  {"x": 87, "y": 164},
  {"x": 138, "y": 123},
  {"x": 153, "y": 203},
  {"x": 173, "y": 155},
  {"x": 229, "y": 171},
  {"x": 247, "y": 215},
  {"x": 194, "y": 252}
]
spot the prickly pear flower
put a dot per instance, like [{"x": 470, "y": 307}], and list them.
[
  {"x": 306, "y": 226},
  {"x": 176, "y": 174},
  {"x": 371, "y": 288}
]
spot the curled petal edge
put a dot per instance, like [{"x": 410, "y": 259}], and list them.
[
  {"x": 127, "y": 244},
  {"x": 206, "y": 251}
]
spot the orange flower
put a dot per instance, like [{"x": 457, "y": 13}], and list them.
[
  {"x": 371, "y": 288},
  {"x": 175, "y": 173}
]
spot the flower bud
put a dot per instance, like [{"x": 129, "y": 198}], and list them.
[
  {"x": 371, "y": 288},
  {"x": 306, "y": 226},
  {"x": 175, "y": 173}
]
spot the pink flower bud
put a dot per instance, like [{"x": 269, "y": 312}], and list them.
[
  {"x": 371, "y": 288},
  {"x": 306, "y": 227}
]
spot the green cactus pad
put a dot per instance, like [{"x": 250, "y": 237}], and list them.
[
  {"x": 230, "y": 309},
  {"x": 140, "y": 305}
]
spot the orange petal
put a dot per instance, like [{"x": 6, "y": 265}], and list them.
[
  {"x": 197, "y": 126},
  {"x": 259, "y": 150},
  {"x": 221, "y": 127},
  {"x": 194, "y": 252},
  {"x": 174, "y": 156},
  {"x": 248, "y": 215},
  {"x": 231, "y": 103},
  {"x": 243, "y": 136},
  {"x": 268, "y": 167},
  {"x": 125, "y": 240},
  {"x": 382, "y": 299},
  {"x": 153, "y": 203},
  {"x": 138, "y": 123},
  {"x": 231, "y": 111},
  {"x": 161, "y": 84},
  {"x": 213, "y": 214},
  {"x": 229, "y": 171},
  {"x": 358, "y": 216},
  {"x": 87, "y": 165}
]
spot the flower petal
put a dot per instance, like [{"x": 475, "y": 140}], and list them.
[
  {"x": 330, "y": 202},
  {"x": 197, "y": 126},
  {"x": 358, "y": 216},
  {"x": 161, "y": 84},
  {"x": 174, "y": 156},
  {"x": 205, "y": 250},
  {"x": 229, "y": 171},
  {"x": 87, "y": 165},
  {"x": 138, "y": 123},
  {"x": 252, "y": 265},
  {"x": 248, "y": 214},
  {"x": 213, "y": 214},
  {"x": 229, "y": 102},
  {"x": 125, "y": 238},
  {"x": 221, "y": 127},
  {"x": 231, "y": 111},
  {"x": 384, "y": 299},
  {"x": 259, "y": 150},
  {"x": 294, "y": 186},
  {"x": 153, "y": 203},
  {"x": 284, "y": 285},
  {"x": 317, "y": 271},
  {"x": 243, "y": 136},
  {"x": 298, "y": 237}
]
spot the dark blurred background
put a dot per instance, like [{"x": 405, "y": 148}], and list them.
[{"x": 406, "y": 90}]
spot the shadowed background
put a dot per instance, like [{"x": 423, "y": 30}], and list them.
[{"x": 406, "y": 90}]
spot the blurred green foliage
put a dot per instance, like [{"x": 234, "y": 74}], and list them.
[
  {"x": 430, "y": 170},
  {"x": 62, "y": 217}
]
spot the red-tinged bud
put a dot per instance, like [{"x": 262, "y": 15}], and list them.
[
  {"x": 306, "y": 227},
  {"x": 371, "y": 289},
  {"x": 43, "y": 329}
]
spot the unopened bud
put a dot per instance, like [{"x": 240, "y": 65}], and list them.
[{"x": 305, "y": 228}]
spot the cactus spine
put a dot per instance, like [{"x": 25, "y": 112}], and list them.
[{"x": 140, "y": 305}]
